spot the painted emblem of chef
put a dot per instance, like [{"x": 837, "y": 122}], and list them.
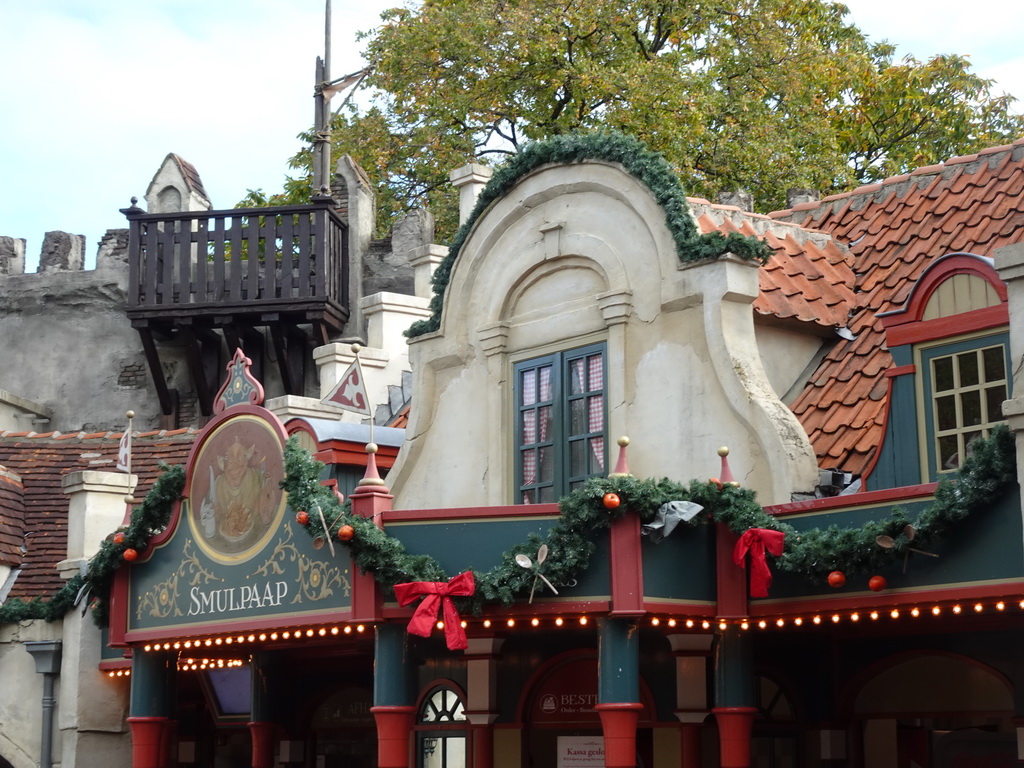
[{"x": 235, "y": 490}]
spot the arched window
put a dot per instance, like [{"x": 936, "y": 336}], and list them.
[{"x": 441, "y": 729}]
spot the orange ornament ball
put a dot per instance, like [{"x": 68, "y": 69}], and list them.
[
  {"x": 877, "y": 583},
  {"x": 302, "y": 517},
  {"x": 129, "y": 554},
  {"x": 346, "y": 532},
  {"x": 836, "y": 579},
  {"x": 611, "y": 500},
  {"x": 119, "y": 538}
]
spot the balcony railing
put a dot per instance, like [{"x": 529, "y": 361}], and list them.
[{"x": 290, "y": 259}]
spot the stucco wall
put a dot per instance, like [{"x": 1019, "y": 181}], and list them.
[{"x": 578, "y": 254}]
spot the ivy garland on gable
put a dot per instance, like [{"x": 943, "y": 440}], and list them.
[
  {"x": 813, "y": 553},
  {"x": 611, "y": 146}
]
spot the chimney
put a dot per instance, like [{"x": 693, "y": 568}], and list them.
[
  {"x": 738, "y": 197},
  {"x": 797, "y": 195}
]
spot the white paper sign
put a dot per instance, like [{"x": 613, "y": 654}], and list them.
[{"x": 580, "y": 752}]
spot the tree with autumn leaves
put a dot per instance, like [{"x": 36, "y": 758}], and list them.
[{"x": 763, "y": 95}]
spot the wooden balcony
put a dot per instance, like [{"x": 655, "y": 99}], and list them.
[{"x": 204, "y": 275}]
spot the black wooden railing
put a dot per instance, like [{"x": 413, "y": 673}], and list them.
[{"x": 290, "y": 258}]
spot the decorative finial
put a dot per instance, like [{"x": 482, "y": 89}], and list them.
[
  {"x": 135, "y": 201},
  {"x": 371, "y": 476},
  {"x": 621, "y": 468},
  {"x": 129, "y": 499},
  {"x": 726, "y": 474},
  {"x": 130, "y": 414},
  {"x": 356, "y": 349}
]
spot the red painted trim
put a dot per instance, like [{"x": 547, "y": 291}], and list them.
[
  {"x": 394, "y": 725},
  {"x": 734, "y": 728},
  {"x": 943, "y": 327},
  {"x": 148, "y": 741},
  {"x": 470, "y": 513},
  {"x": 627, "y": 568},
  {"x": 732, "y": 579},
  {"x": 935, "y": 275},
  {"x": 262, "y": 737},
  {"x": 618, "y": 723},
  {"x": 900, "y": 370},
  {"x": 853, "y": 501},
  {"x": 891, "y": 598}
]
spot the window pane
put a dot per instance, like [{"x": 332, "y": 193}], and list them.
[
  {"x": 970, "y": 403},
  {"x": 547, "y": 465},
  {"x": 595, "y": 373},
  {"x": 576, "y": 379},
  {"x": 968, "y": 364},
  {"x": 595, "y": 421},
  {"x": 577, "y": 458},
  {"x": 545, "y": 384},
  {"x": 577, "y": 421},
  {"x": 545, "y": 495},
  {"x": 994, "y": 397},
  {"x": 969, "y": 438},
  {"x": 949, "y": 457},
  {"x": 943, "y": 379},
  {"x": 945, "y": 412},
  {"x": 995, "y": 364},
  {"x": 528, "y": 497},
  {"x": 544, "y": 417},
  {"x": 528, "y": 387},
  {"x": 596, "y": 455},
  {"x": 529, "y": 433},
  {"x": 529, "y": 463}
]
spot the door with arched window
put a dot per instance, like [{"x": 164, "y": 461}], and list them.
[{"x": 441, "y": 729}]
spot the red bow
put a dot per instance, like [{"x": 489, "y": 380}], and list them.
[
  {"x": 422, "y": 621},
  {"x": 756, "y": 541}
]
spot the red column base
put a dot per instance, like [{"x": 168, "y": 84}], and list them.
[
  {"x": 149, "y": 743},
  {"x": 262, "y": 735},
  {"x": 618, "y": 721},
  {"x": 394, "y": 724},
  {"x": 734, "y": 726}
]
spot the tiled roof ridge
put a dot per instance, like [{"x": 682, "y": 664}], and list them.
[
  {"x": 880, "y": 190},
  {"x": 759, "y": 222},
  {"x": 154, "y": 433}
]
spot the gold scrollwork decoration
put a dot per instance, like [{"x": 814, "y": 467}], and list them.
[
  {"x": 162, "y": 600},
  {"x": 284, "y": 551},
  {"x": 317, "y": 580}
]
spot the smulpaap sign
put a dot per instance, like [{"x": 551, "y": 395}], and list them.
[{"x": 232, "y": 557}]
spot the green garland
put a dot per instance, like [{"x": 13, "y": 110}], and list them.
[
  {"x": 813, "y": 553},
  {"x": 649, "y": 167},
  {"x": 582, "y": 515},
  {"x": 148, "y": 518}
]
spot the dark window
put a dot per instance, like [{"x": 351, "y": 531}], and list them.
[
  {"x": 560, "y": 422},
  {"x": 965, "y": 384}
]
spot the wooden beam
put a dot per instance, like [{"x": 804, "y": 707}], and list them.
[{"x": 163, "y": 393}]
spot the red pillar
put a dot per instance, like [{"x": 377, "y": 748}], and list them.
[
  {"x": 262, "y": 735},
  {"x": 149, "y": 742},
  {"x": 483, "y": 747},
  {"x": 734, "y": 726},
  {"x": 690, "y": 745},
  {"x": 618, "y": 721},
  {"x": 394, "y": 725}
]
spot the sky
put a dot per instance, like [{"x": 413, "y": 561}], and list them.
[{"x": 96, "y": 93}]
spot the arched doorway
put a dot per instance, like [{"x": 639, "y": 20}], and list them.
[
  {"x": 933, "y": 709},
  {"x": 441, "y": 728}
]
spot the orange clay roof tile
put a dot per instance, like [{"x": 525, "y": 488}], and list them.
[
  {"x": 893, "y": 231},
  {"x": 40, "y": 461}
]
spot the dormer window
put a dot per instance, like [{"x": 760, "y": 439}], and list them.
[
  {"x": 560, "y": 422},
  {"x": 950, "y": 349},
  {"x": 965, "y": 385}
]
